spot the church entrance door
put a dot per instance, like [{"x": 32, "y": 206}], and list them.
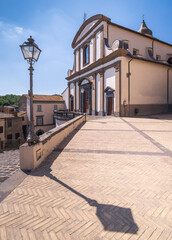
[{"x": 110, "y": 105}]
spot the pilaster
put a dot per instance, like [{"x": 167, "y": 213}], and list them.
[
  {"x": 79, "y": 60},
  {"x": 101, "y": 45},
  {"x": 118, "y": 92},
  {"x": 74, "y": 66},
  {"x": 68, "y": 96},
  {"x": 78, "y": 98},
  {"x": 74, "y": 104},
  {"x": 101, "y": 113},
  {"x": 94, "y": 95},
  {"x": 94, "y": 48}
]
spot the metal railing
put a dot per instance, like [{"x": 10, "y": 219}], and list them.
[{"x": 65, "y": 115}]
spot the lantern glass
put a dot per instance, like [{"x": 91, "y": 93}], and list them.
[
  {"x": 30, "y": 50},
  {"x": 36, "y": 53},
  {"x": 27, "y": 52}
]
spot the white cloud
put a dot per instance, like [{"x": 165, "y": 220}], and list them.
[
  {"x": 19, "y": 30},
  {"x": 12, "y": 32}
]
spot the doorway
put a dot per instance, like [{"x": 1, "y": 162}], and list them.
[
  {"x": 85, "y": 98},
  {"x": 110, "y": 97},
  {"x": 71, "y": 103},
  {"x": 86, "y": 101},
  {"x": 109, "y": 105}
]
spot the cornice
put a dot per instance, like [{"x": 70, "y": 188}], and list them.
[
  {"x": 113, "y": 55},
  {"x": 143, "y": 35}
]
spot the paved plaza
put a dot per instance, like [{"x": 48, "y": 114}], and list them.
[
  {"x": 9, "y": 163},
  {"x": 111, "y": 179}
]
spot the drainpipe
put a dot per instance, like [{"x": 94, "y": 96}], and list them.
[
  {"x": 128, "y": 75},
  {"x": 153, "y": 48},
  {"x": 168, "y": 78}
]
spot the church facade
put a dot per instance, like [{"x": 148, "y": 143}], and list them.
[{"x": 118, "y": 71}]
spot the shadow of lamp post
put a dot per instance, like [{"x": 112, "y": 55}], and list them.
[{"x": 31, "y": 53}]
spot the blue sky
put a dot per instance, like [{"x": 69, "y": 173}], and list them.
[{"x": 53, "y": 24}]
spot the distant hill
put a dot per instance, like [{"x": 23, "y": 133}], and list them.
[{"x": 9, "y": 99}]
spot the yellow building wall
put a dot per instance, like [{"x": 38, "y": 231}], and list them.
[
  {"x": 148, "y": 82},
  {"x": 47, "y": 111},
  {"x": 139, "y": 42}
]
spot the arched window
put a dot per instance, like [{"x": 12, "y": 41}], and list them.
[{"x": 86, "y": 54}]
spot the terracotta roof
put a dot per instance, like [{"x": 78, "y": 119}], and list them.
[
  {"x": 6, "y": 115},
  {"x": 21, "y": 113},
  {"x": 46, "y": 98}
]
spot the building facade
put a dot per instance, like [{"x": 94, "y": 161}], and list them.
[
  {"x": 43, "y": 110},
  {"x": 11, "y": 133},
  {"x": 65, "y": 98},
  {"x": 118, "y": 71}
]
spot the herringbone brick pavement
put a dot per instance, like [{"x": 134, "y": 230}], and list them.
[{"x": 111, "y": 179}]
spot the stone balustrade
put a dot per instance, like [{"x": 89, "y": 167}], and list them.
[{"x": 32, "y": 156}]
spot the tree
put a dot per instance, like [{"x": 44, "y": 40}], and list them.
[{"x": 9, "y": 99}]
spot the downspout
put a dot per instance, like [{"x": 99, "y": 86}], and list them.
[
  {"x": 128, "y": 75},
  {"x": 153, "y": 48},
  {"x": 168, "y": 78}
]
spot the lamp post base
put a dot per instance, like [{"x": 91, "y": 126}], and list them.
[{"x": 32, "y": 139}]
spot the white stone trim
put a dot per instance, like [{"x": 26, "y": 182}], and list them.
[
  {"x": 97, "y": 68},
  {"x": 89, "y": 35}
]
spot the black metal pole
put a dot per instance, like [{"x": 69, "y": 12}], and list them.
[
  {"x": 31, "y": 100},
  {"x": 32, "y": 138}
]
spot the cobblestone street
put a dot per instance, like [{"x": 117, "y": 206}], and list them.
[{"x": 9, "y": 163}]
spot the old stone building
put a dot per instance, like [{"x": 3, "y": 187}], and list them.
[
  {"x": 43, "y": 110},
  {"x": 11, "y": 133},
  {"x": 119, "y": 71}
]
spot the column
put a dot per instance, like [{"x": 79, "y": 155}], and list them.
[
  {"x": 68, "y": 96},
  {"x": 94, "y": 95},
  {"x": 118, "y": 94},
  {"x": 78, "y": 99},
  {"x": 101, "y": 113},
  {"x": 101, "y": 45},
  {"x": 94, "y": 48},
  {"x": 74, "y": 65},
  {"x": 74, "y": 104},
  {"x": 79, "y": 67}
]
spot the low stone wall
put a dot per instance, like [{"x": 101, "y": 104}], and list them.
[{"x": 32, "y": 156}]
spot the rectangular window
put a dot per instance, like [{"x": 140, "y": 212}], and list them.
[
  {"x": 150, "y": 52},
  {"x": 22, "y": 118},
  {"x": 135, "y": 51},
  {"x": 9, "y": 122},
  {"x": 39, "y": 120},
  {"x": 9, "y": 137},
  {"x": 86, "y": 54},
  {"x": 125, "y": 44},
  {"x": 1, "y": 129},
  {"x": 55, "y": 107},
  {"x": 39, "y": 108},
  {"x": 17, "y": 135}
]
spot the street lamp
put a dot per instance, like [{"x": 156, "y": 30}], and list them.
[{"x": 31, "y": 53}]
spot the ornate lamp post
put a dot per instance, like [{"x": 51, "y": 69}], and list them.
[{"x": 31, "y": 53}]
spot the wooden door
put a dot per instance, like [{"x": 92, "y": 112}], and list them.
[{"x": 110, "y": 105}]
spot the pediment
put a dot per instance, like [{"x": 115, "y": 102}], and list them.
[
  {"x": 109, "y": 90},
  {"x": 87, "y": 27}
]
